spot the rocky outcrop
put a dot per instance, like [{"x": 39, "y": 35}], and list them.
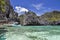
[
  {"x": 49, "y": 18},
  {"x": 29, "y": 18},
  {"x": 6, "y": 11},
  {"x": 52, "y": 18}
]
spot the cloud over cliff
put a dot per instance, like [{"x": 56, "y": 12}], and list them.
[{"x": 20, "y": 10}]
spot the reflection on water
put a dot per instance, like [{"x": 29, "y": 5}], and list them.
[
  {"x": 2, "y": 37},
  {"x": 32, "y": 33}
]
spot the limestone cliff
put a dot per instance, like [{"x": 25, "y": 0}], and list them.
[
  {"x": 29, "y": 18},
  {"x": 6, "y": 11},
  {"x": 49, "y": 18}
]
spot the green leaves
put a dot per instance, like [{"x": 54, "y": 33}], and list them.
[
  {"x": 2, "y": 4},
  {"x": 52, "y": 16}
]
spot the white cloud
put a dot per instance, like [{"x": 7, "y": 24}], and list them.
[
  {"x": 20, "y": 10},
  {"x": 38, "y": 6},
  {"x": 39, "y": 13}
]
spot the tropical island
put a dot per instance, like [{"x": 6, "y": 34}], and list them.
[
  {"x": 28, "y": 26},
  {"x": 8, "y": 15}
]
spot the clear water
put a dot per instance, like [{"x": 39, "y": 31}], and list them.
[{"x": 31, "y": 33}]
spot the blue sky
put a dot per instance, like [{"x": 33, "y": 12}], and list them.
[{"x": 37, "y": 6}]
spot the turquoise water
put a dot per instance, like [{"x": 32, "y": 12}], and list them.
[{"x": 31, "y": 33}]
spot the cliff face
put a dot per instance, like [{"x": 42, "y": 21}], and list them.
[
  {"x": 49, "y": 18},
  {"x": 29, "y": 18},
  {"x": 6, "y": 10}
]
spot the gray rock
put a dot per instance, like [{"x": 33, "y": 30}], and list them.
[
  {"x": 6, "y": 11},
  {"x": 29, "y": 18}
]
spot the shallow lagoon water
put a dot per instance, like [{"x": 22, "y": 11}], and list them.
[{"x": 31, "y": 33}]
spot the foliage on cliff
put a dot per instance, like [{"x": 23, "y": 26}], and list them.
[
  {"x": 2, "y": 4},
  {"x": 6, "y": 11},
  {"x": 52, "y": 16},
  {"x": 31, "y": 18}
]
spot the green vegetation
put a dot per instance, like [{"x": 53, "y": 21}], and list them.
[
  {"x": 2, "y": 4},
  {"x": 52, "y": 16}
]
